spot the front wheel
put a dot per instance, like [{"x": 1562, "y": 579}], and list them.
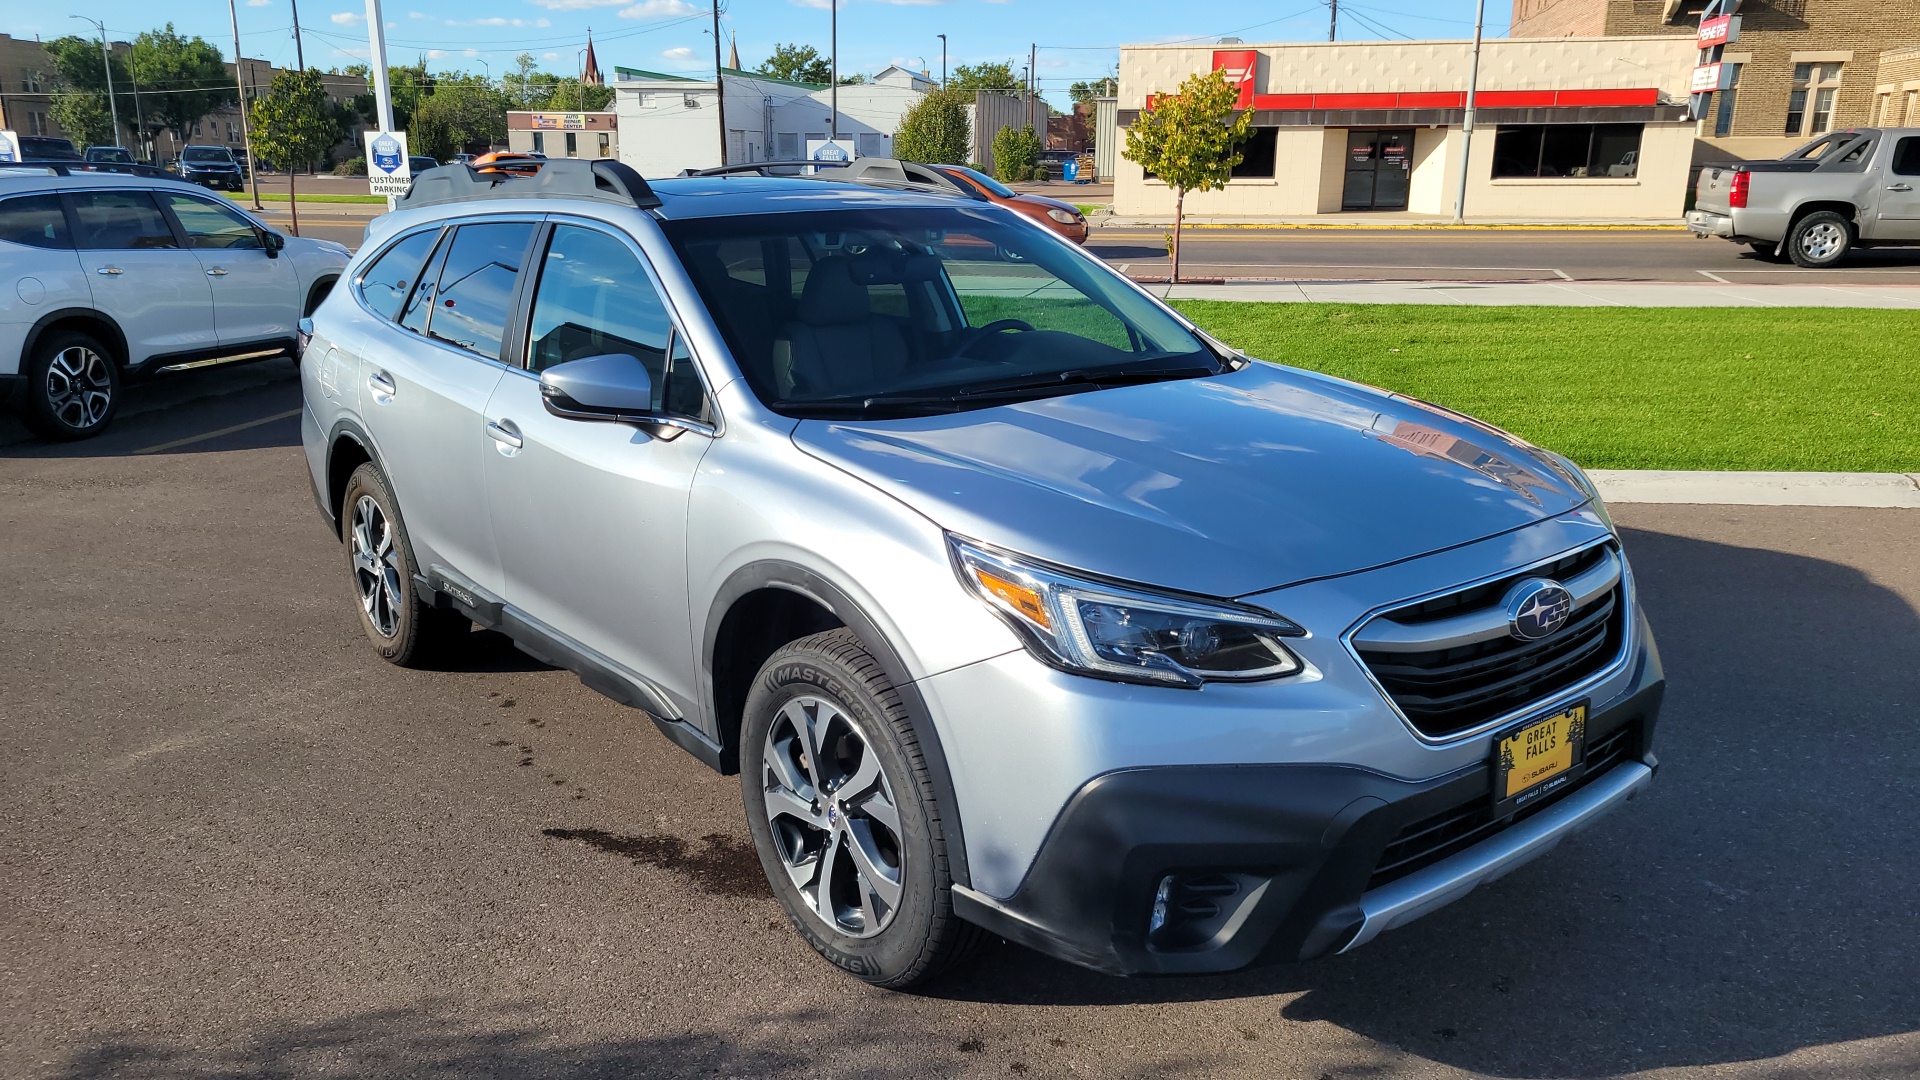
[
  {"x": 842, "y": 811},
  {"x": 73, "y": 387},
  {"x": 1819, "y": 240}
]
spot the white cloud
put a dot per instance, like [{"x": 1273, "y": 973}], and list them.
[
  {"x": 347, "y": 18},
  {"x": 416, "y": 14},
  {"x": 259, "y": 3},
  {"x": 678, "y": 52},
  {"x": 658, "y": 9},
  {"x": 499, "y": 21},
  {"x": 436, "y": 54},
  {"x": 550, "y": 56},
  {"x": 817, "y": 5},
  {"x": 577, "y": 5}
]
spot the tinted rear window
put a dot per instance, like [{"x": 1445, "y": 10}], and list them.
[
  {"x": 34, "y": 220},
  {"x": 476, "y": 285},
  {"x": 119, "y": 220}
]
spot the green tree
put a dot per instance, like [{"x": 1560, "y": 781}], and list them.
[
  {"x": 462, "y": 111},
  {"x": 77, "y": 67},
  {"x": 935, "y": 131},
  {"x": 1016, "y": 150},
  {"x": 984, "y": 76},
  {"x": 186, "y": 78},
  {"x": 797, "y": 63},
  {"x": 1188, "y": 139},
  {"x": 293, "y": 126},
  {"x": 84, "y": 116},
  {"x": 1083, "y": 92}
]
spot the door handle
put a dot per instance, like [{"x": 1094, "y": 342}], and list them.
[
  {"x": 503, "y": 432},
  {"x": 216, "y": 272},
  {"x": 1899, "y": 187},
  {"x": 108, "y": 270},
  {"x": 381, "y": 384}
]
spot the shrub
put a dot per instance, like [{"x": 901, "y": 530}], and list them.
[
  {"x": 1015, "y": 152},
  {"x": 935, "y": 131},
  {"x": 353, "y": 166}
]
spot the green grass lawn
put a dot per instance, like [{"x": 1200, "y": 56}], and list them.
[
  {"x": 1628, "y": 388},
  {"x": 274, "y": 196}
]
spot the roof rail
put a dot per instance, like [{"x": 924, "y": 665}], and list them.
[
  {"x": 871, "y": 171},
  {"x": 68, "y": 167},
  {"x": 565, "y": 177},
  {"x": 762, "y": 168}
]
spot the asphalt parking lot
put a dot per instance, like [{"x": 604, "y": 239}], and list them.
[{"x": 238, "y": 845}]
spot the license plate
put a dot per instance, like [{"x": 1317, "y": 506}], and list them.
[{"x": 1539, "y": 757}]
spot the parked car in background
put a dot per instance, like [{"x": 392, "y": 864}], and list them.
[
  {"x": 509, "y": 162},
  {"x": 1062, "y": 217},
  {"x": 109, "y": 278},
  {"x": 1021, "y": 606},
  {"x": 419, "y": 163},
  {"x": 461, "y": 159},
  {"x": 209, "y": 166},
  {"x": 47, "y": 148},
  {"x": 1844, "y": 190},
  {"x": 114, "y": 155}
]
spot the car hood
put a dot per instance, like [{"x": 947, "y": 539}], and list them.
[
  {"x": 1221, "y": 486},
  {"x": 1045, "y": 203}
]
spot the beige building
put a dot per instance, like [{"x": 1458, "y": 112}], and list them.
[
  {"x": 564, "y": 134},
  {"x": 1802, "y": 67},
  {"x": 1587, "y": 129}
]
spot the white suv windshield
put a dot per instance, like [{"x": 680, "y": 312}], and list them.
[
  {"x": 206, "y": 155},
  {"x": 892, "y": 312}
]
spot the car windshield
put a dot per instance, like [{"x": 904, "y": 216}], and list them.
[
  {"x": 209, "y": 153},
  {"x": 877, "y": 313},
  {"x": 108, "y": 153},
  {"x": 996, "y": 187}
]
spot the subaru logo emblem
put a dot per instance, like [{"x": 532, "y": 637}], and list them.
[{"x": 1536, "y": 608}]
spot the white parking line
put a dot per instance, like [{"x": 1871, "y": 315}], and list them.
[
  {"x": 1713, "y": 276},
  {"x": 1563, "y": 275},
  {"x": 191, "y": 439}
]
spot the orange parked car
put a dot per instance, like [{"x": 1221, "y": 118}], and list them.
[
  {"x": 1063, "y": 218},
  {"x": 506, "y": 161}
]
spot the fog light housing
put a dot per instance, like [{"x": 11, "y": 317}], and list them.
[{"x": 1197, "y": 911}]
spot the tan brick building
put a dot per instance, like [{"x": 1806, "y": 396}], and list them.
[{"x": 1805, "y": 66}]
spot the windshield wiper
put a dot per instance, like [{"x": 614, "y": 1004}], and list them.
[{"x": 1086, "y": 377}]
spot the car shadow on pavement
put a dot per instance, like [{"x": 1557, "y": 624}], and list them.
[
  {"x": 243, "y": 407},
  {"x": 1757, "y": 901}
]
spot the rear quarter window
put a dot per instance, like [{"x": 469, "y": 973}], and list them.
[
  {"x": 35, "y": 221},
  {"x": 385, "y": 283}
]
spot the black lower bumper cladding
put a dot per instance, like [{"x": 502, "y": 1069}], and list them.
[{"x": 1271, "y": 860}]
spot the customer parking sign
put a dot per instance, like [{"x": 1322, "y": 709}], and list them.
[{"x": 388, "y": 172}]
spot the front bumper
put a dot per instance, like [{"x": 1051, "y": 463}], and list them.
[{"x": 1279, "y": 861}]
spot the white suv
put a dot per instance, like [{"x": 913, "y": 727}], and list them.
[{"x": 109, "y": 277}]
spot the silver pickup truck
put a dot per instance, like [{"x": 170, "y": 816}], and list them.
[{"x": 1846, "y": 189}]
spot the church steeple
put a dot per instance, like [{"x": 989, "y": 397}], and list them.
[
  {"x": 733, "y": 52},
  {"x": 590, "y": 74}
]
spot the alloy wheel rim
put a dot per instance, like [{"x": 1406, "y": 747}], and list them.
[
  {"x": 834, "y": 818},
  {"x": 376, "y": 566},
  {"x": 79, "y": 387},
  {"x": 1821, "y": 241}
]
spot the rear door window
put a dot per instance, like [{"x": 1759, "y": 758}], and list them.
[
  {"x": 1906, "y": 156},
  {"x": 34, "y": 220},
  {"x": 475, "y": 296},
  {"x": 120, "y": 220}
]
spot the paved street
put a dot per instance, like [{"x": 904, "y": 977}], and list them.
[{"x": 235, "y": 844}]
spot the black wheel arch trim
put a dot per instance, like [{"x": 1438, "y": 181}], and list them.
[
  {"x": 792, "y": 577},
  {"x": 45, "y": 322},
  {"x": 351, "y": 430}
]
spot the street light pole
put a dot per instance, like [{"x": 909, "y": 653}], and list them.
[
  {"x": 1466, "y": 133},
  {"x": 246, "y": 136},
  {"x": 943, "y": 61},
  {"x": 106, "y": 63},
  {"x": 719, "y": 86},
  {"x": 580, "y": 79},
  {"x": 377, "y": 61},
  {"x": 833, "y": 94}
]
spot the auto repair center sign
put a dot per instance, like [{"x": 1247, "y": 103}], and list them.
[{"x": 388, "y": 171}]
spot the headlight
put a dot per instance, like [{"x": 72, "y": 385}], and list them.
[
  {"x": 1064, "y": 217},
  {"x": 1119, "y": 633}
]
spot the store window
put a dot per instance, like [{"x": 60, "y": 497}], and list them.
[
  {"x": 539, "y": 142},
  {"x": 573, "y": 144},
  {"x": 1810, "y": 104},
  {"x": 1257, "y": 155},
  {"x": 1561, "y": 151},
  {"x": 1723, "y": 103},
  {"x": 606, "y": 145}
]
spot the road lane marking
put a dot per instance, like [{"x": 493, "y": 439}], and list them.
[
  {"x": 1563, "y": 275},
  {"x": 1713, "y": 276},
  {"x": 189, "y": 440}
]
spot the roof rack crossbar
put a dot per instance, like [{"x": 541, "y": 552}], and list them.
[
  {"x": 611, "y": 181},
  {"x": 762, "y": 167},
  {"x": 870, "y": 171}
]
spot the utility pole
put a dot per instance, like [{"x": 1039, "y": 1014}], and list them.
[
  {"x": 377, "y": 63},
  {"x": 299, "y": 47},
  {"x": 833, "y": 95},
  {"x": 1033, "y": 86},
  {"x": 943, "y": 61},
  {"x": 719, "y": 89},
  {"x": 1466, "y": 134},
  {"x": 106, "y": 62},
  {"x": 240, "y": 84},
  {"x": 1333, "y": 20}
]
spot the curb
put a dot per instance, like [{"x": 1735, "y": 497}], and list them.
[
  {"x": 1139, "y": 225},
  {"x": 1896, "y": 490}
]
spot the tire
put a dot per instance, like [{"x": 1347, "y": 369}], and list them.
[
  {"x": 404, "y": 629},
  {"x": 1819, "y": 240},
  {"x": 73, "y": 387},
  {"x": 890, "y": 917}
]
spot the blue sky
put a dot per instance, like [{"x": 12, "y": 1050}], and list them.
[{"x": 1077, "y": 39}]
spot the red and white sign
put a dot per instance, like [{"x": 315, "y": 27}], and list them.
[
  {"x": 1721, "y": 30},
  {"x": 1239, "y": 66},
  {"x": 1706, "y": 78}
]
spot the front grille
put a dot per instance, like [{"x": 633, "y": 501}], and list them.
[
  {"x": 1465, "y": 824},
  {"x": 1446, "y": 690}
]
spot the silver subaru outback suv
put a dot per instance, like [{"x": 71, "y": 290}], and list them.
[{"x": 1020, "y": 605}]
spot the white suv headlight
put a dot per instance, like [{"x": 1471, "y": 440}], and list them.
[{"x": 1115, "y": 632}]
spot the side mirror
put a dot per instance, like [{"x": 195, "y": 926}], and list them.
[
  {"x": 273, "y": 242},
  {"x": 612, "y": 387}
]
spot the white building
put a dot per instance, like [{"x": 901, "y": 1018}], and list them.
[{"x": 669, "y": 123}]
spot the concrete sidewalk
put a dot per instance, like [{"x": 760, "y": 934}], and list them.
[
  {"x": 1551, "y": 293},
  {"x": 1380, "y": 220}
]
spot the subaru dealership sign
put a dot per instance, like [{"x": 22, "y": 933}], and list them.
[{"x": 388, "y": 172}]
